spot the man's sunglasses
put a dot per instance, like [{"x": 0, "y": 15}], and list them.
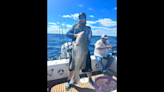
[{"x": 82, "y": 18}]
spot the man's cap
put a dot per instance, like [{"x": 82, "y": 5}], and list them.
[
  {"x": 82, "y": 14},
  {"x": 104, "y": 36}
]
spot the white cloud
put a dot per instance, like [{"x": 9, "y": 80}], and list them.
[
  {"x": 99, "y": 26},
  {"x": 68, "y": 25},
  {"x": 107, "y": 22},
  {"x": 112, "y": 31},
  {"x": 91, "y": 22},
  {"x": 90, "y": 9},
  {"x": 63, "y": 24},
  {"x": 96, "y": 27},
  {"x": 88, "y": 24},
  {"x": 73, "y": 16},
  {"x": 54, "y": 27},
  {"x": 91, "y": 16},
  {"x": 104, "y": 22},
  {"x": 115, "y": 8},
  {"x": 80, "y": 5},
  {"x": 66, "y": 16},
  {"x": 96, "y": 32},
  {"x": 99, "y": 32},
  {"x": 109, "y": 32},
  {"x": 51, "y": 23},
  {"x": 104, "y": 27}
]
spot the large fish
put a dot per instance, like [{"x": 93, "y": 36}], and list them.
[{"x": 79, "y": 54}]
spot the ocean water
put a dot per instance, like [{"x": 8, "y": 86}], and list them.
[{"x": 55, "y": 41}]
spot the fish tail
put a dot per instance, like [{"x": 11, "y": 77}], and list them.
[{"x": 75, "y": 78}]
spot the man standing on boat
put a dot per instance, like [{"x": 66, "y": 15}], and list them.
[
  {"x": 73, "y": 33},
  {"x": 101, "y": 51}
]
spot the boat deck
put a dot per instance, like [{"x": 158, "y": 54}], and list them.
[{"x": 87, "y": 87}]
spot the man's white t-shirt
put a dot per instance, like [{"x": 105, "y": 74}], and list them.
[{"x": 101, "y": 52}]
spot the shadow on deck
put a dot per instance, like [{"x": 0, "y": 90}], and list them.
[
  {"x": 79, "y": 89},
  {"x": 59, "y": 85}
]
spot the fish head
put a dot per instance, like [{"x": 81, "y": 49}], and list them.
[
  {"x": 81, "y": 33},
  {"x": 82, "y": 38}
]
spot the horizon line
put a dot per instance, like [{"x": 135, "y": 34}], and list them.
[{"x": 61, "y": 34}]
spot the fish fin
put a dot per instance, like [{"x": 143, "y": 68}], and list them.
[
  {"x": 75, "y": 78},
  {"x": 74, "y": 44}
]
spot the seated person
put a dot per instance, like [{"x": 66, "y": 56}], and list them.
[{"x": 101, "y": 51}]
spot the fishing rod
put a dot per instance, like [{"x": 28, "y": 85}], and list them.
[
  {"x": 66, "y": 37},
  {"x": 59, "y": 33},
  {"x": 63, "y": 35}
]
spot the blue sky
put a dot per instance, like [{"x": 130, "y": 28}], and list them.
[{"x": 101, "y": 15}]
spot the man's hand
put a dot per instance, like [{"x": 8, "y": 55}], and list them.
[
  {"x": 114, "y": 51},
  {"x": 108, "y": 47},
  {"x": 76, "y": 35}
]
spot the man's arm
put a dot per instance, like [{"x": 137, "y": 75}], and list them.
[
  {"x": 98, "y": 46},
  {"x": 70, "y": 33},
  {"x": 103, "y": 47}
]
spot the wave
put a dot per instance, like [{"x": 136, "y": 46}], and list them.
[{"x": 55, "y": 42}]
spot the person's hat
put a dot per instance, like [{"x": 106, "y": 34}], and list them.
[
  {"x": 104, "y": 36},
  {"x": 82, "y": 14}
]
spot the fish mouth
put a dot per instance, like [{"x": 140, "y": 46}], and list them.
[{"x": 82, "y": 32}]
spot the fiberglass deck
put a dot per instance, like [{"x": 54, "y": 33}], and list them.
[{"x": 87, "y": 87}]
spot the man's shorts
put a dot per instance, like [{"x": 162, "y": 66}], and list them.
[{"x": 88, "y": 67}]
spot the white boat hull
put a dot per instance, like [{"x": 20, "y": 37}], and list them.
[{"x": 57, "y": 69}]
